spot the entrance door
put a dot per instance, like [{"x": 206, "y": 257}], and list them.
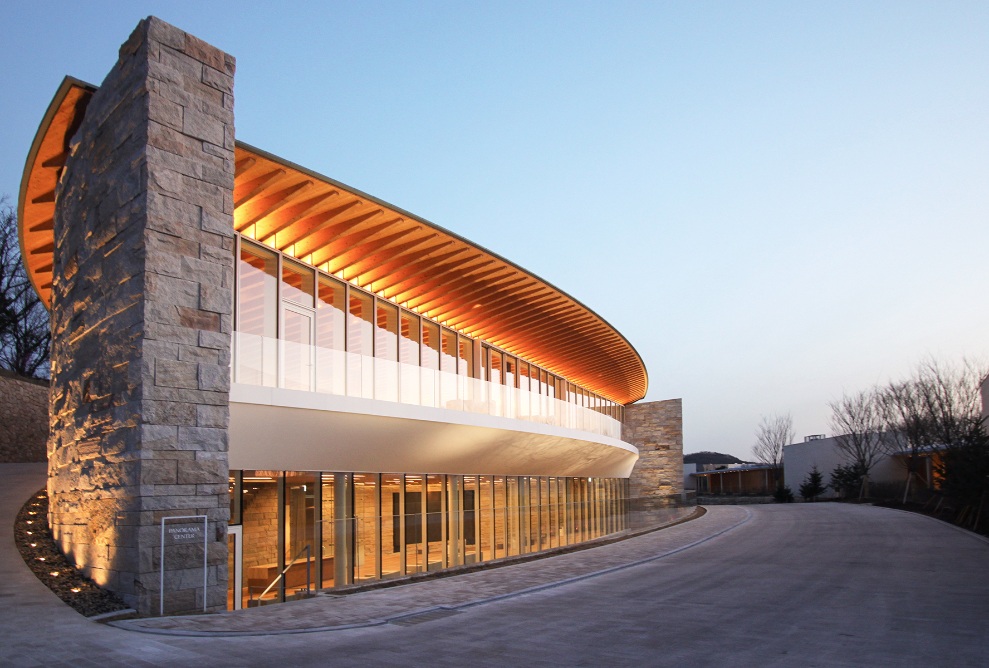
[
  {"x": 297, "y": 368},
  {"x": 235, "y": 571}
]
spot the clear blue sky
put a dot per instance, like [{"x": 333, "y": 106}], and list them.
[{"x": 774, "y": 201}]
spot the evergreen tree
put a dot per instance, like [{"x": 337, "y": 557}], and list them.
[{"x": 813, "y": 485}]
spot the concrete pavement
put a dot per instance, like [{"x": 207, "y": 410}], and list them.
[{"x": 807, "y": 585}]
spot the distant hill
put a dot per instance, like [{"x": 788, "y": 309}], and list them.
[{"x": 701, "y": 458}]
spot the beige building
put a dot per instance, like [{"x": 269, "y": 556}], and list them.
[{"x": 266, "y": 381}]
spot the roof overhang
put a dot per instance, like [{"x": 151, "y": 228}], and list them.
[{"x": 372, "y": 244}]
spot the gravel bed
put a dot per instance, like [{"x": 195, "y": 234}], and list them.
[{"x": 41, "y": 554}]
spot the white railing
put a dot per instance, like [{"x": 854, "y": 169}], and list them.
[{"x": 275, "y": 363}]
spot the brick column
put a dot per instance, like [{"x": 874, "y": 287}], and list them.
[
  {"x": 141, "y": 317},
  {"x": 656, "y": 429}
]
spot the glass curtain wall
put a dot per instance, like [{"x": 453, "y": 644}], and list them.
[
  {"x": 333, "y": 529},
  {"x": 303, "y": 329}
]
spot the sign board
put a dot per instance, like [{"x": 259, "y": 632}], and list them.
[{"x": 183, "y": 530}]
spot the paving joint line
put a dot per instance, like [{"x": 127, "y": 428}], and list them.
[{"x": 462, "y": 606}]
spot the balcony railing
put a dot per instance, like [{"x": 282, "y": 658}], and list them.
[{"x": 277, "y": 363}]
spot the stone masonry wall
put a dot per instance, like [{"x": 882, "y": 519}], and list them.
[
  {"x": 23, "y": 418},
  {"x": 656, "y": 429},
  {"x": 141, "y": 317}
]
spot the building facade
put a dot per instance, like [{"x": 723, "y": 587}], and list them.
[{"x": 265, "y": 381}]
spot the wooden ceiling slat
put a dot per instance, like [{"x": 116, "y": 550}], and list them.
[
  {"x": 402, "y": 280},
  {"x": 324, "y": 222},
  {"x": 248, "y": 191},
  {"x": 397, "y": 253},
  {"x": 459, "y": 303},
  {"x": 46, "y": 248},
  {"x": 44, "y": 226},
  {"x": 344, "y": 259},
  {"x": 357, "y": 231},
  {"x": 57, "y": 161},
  {"x": 45, "y": 198},
  {"x": 253, "y": 211},
  {"x": 241, "y": 165},
  {"x": 460, "y": 269},
  {"x": 532, "y": 314},
  {"x": 385, "y": 273},
  {"x": 467, "y": 283},
  {"x": 280, "y": 220}
]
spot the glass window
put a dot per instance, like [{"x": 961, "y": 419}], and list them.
[
  {"x": 487, "y": 525},
  {"x": 360, "y": 345},
  {"x": 430, "y": 350},
  {"x": 408, "y": 357},
  {"x": 415, "y": 540},
  {"x": 257, "y": 316},
  {"x": 367, "y": 509},
  {"x": 360, "y": 339},
  {"x": 330, "y": 331},
  {"x": 298, "y": 283},
  {"x": 257, "y": 276},
  {"x": 465, "y": 366},
  {"x": 392, "y": 529},
  {"x": 300, "y": 522},
  {"x": 500, "y": 516},
  {"x": 259, "y": 514},
  {"x": 430, "y": 345},
  {"x": 386, "y": 351},
  {"x": 386, "y": 332},
  {"x": 436, "y": 523},
  {"x": 330, "y": 314},
  {"x": 449, "y": 353},
  {"x": 329, "y": 528}
]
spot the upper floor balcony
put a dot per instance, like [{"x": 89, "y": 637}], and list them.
[{"x": 278, "y": 363}]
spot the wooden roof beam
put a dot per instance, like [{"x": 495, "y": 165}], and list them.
[
  {"x": 485, "y": 297},
  {"x": 244, "y": 164},
  {"x": 254, "y": 211},
  {"x": 44, "y": 226},
  {"x": 325, "y": 221},
  {"x": 355, "y": 232},
  {"x": 344, "y": 258},
  {"x": 410, "y": 276},
  {"x": 57, "y": 161},
  {"x": 397, "y": 253},
  {"x": 280, "y": 220},
  {"x": 45, "y": 198},
  {"x": 496, "y": 311},
  {"x": 459, "y": 270},
  {"x": 248, "y": 191},
  {"x": 390, "y": 269}
]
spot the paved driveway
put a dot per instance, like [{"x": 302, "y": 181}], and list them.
[{"x": 794, "y": 585}]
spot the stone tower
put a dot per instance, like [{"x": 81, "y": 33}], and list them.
[{"x": 141, "y": 317}]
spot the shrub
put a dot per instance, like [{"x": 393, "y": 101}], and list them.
[{"x": 783, "y": 494}]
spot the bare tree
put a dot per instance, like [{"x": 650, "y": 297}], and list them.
[
  {"x": 771, "y": 435},
  {"x": 857, "y": 422},
  {"x": 938, "y": 410},
  {"x": 905, "y": 424},
  {"x": 25, "y": 334}
]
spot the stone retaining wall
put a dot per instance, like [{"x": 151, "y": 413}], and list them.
[{"x": 23, "y": 418}]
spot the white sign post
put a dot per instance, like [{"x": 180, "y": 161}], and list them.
[{"x": 181, "y": 535}]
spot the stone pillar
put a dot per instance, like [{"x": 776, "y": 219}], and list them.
[
  {"x": 656, "y": 429},
  {"x": 141, "y": 318}
]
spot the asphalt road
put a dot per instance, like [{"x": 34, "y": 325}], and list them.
[{"x": 794, "y": 585}]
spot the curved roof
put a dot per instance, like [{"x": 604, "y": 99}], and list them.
[{"x": 374, "y": 245}]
